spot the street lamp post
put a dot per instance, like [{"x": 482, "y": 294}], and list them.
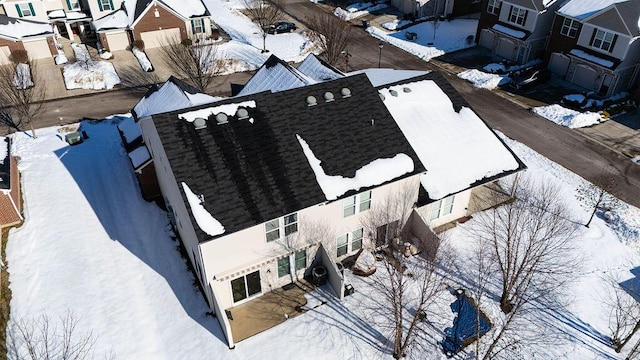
[{"x": 380, "y": 46}]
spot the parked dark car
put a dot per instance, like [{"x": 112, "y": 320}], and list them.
[
  {"x": 281, "y": 27},
  {"x": 529, "y": 77}
]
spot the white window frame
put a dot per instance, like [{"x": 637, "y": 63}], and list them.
[
  {"x": 516, "y": 15},
  {"x": 493, "y": 7},
  {"x": 442, "y": 207},
  {"x": 298, "y": 256},
  {"x": 74, "y": 4},
  {"x": 345, "y": 242},
  {"x": 601, "y": 42},
  {"x": 356, "y": 204},
  {"x": 197, "y": 26},
  {"x": 342, "y": 245},
  {"x": 106, "y": 5},
  {"x": 570, "y": 28},
  {"x": 25, "y": 11},
  {"x": 280, "y": 226}
]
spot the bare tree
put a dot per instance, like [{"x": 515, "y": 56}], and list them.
[
  {"x": 333, "y": 35},
  {"x": 21, "y": 94},
  {"x": 197, "y": 65},
  {"x": 624, "y": 313},
  {"x": 435, "y": 24},
  {"x": 599, "y": 194},
  {"x": 408, "y": 284},
  {"x": 40, "y": 338},
  {"x": 264, "y": 13}
]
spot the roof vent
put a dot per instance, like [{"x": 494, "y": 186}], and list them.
[
  {"x": 393, "y": 93},
  {"x": 311, "y": 101},
  {"x": 345, "y": 92},
  {"x": 242, "y": 113},
  {"x": 406, "y": 89},
  {"x": 328, "y": 96},
  {"x": 199, "y": 123},
  {"x": 381, "y": 96},
  {"x": 221, "y": 118}
]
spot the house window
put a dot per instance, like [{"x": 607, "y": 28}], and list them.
[
  {"x": 25, "y": 10},
  {"x": 283, "y": 267},
  {"x": 246, "y": 286},
  {"x": 442, "y": 207},
  {"x": 603, "y": 40},
  {"x": 197, "y": 26},
  {"x": 286, "y": 225},
  {"x": 356, "y": 240},
  {"x": 105, "y": 5},
  {"x": 301, "y": 259},
  {"x": 73, "y": 4},
  {"x": 356, "y": 203},
  {"x": 343, "y": 244},
  {"x": 517, "y": 15},
  {"x": 494, "y": 7},
  {"x": 569, "y": 28}
]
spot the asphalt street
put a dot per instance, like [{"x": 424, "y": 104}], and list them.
[{"x": 564, "y": 146}]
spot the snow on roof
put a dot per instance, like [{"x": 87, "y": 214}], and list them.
[
  {"x": 581, "y": 9},
  {"x": 170, "y": 97},
  {"x": 130, "y": 129},
  {"x": 115, "y": 20},
  {"x": 17, "y": 28},
  {"x": 56, "y": 14},
  {"x": 204, "y": 219},
  {"x": 379, "y": 77},
  {"x": 511, "y": 32},
  {"x": 139, "y": 156},
  {"x": 315, "y": 69},
  {"x": 228, "y": 109},
  {"x": 457, "y": 148},
  {"x": 74, "y": 15},
  {"x": 594, "y": 59},
  {"x": 374, "y": 173},
  {"x": 186, "y": 8},
  {"x": 275, "y": 75}
]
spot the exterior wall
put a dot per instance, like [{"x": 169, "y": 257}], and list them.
[
  {"x": 559, "y": 43},
  {"x": 231, "y": 256},
  {"x": 54, "y": 4},
  {"x": 37, "y": 48},
  {"x": 94, "y": 8},
  {"x": 530, "y": 19},
  {"x": 115, "y": 41},
  {"x": 619, "y": 49},
  {"x": 38, "y": 9},
  {"x": 207, "y": 29},
  {"x": 486, "y": 21},
  {"x": 6, "y": 47},
  {"x": 11, "y": 201},
  {"x": 164, "y": 20},
  {"x": 460, "y": 204}
]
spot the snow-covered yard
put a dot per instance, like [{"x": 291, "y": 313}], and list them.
[
  {"x": 92, "y": 245},
  {"x": 86, "y": 73},
  {"x": 449, "y": 36}
]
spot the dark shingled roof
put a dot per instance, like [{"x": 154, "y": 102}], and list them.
[{"x": 250, "y": 173}]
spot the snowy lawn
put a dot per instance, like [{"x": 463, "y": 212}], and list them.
[
  {"x": 92, "y": 245},
  {"x": 567, "y": 117},
  {"x": 88, "y": 74},
  {"x": 483, "y": 80},
  {"x": 450, "y": 36}
]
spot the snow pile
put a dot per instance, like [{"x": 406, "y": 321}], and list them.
[
  {"x": 61, "y": 58},
  {"x": 106, "y": 55},
  {"x": 227, "y": 109},
  {"x": 22, "y": 77},
  {"x": 567, "y": 117},
  {"x": 483, "y": 80},
  {"x": 353, "y": 13},
  {"x": 450, "y": 36},
  {"x": 142, "y": 59},
  {"x": 204, "y": 219},
  {"x": 473, "y": 152},
  {"x": 93, "y": 75},
  {"x": 395, "y": 24},
  {"x": 374, "y": 173},
  {"x": 502, "y": 68},
  {"x": 365, "y": 262}
]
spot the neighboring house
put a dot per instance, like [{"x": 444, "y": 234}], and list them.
[
  {"x": 517, "y": 30},
  {"x": 426, "y": 8},
  {"x": 262, "y": 188},
  {"x": 152, "y": 21},
  {"x": 10, "y": 194},
  {"x": 22, "y": 34},
  {"x": 595, "y": 44}
]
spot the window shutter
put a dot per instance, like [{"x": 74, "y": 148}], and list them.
[
  {"x": 69, "y": 4},
  {"x": 111, "y": 4},
  {"x": 510, "y": 12},
  {"x": 19, "y": 11},
  {"x": 524, "y": 20},
  {"x": 33, "y": 13},
  {"x": 613, "y": 42},
  {"x": 100, "y": 5},
  {"x": 193, "y": 27},
  {"x": 593, "y": 36}
]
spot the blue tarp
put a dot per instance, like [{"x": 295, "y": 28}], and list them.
[{"x": 464, "y": 325}]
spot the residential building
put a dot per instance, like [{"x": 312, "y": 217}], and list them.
[
  {"x": 36, "y": 38},
  {"x": 595, "y": 44},
  {"x": 517, "y": 30},
  {"x": 438, "y": 8},
  {"x": 265, "y": 187}
]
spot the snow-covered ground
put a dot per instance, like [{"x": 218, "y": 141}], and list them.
[
  {"x": 449, "y": 36},
  {"x": 86, "y": 73},
  {"x": 92, "y": 245},
  {"x": 357, "y": 10},
  {"x": 484, "y": 80},
  {"x": 567, "y": 117},
  {"x": 142, "y": 59}
]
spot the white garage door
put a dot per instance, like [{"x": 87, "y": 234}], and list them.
[
  {"x": 585, "y": 77},
  {"x": 118, "y": 41},
  {"x": 558, "y": 64},
  {"x": 37, "y": 49},
  {"x": 153, "y": 39},
  {"x": 4, "y": 55},
  {"x": 505, "y": 48},
  {"x": 486, "y": 39}
]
